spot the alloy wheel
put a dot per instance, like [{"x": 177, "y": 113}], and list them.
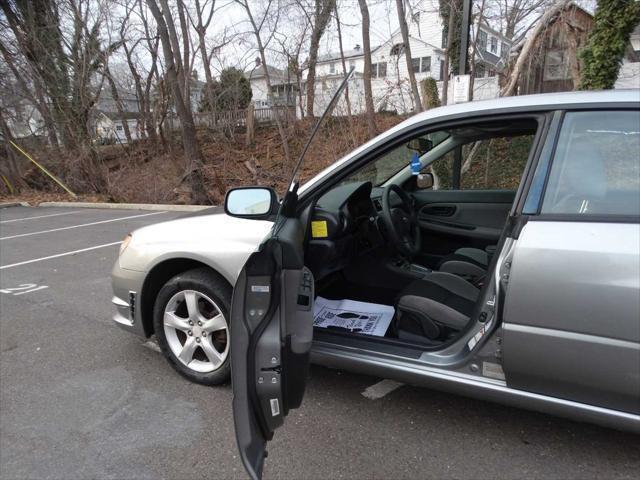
[{"x": 196, "y": 331}]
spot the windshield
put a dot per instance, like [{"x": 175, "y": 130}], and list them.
[{"x": 390, "y": 163}]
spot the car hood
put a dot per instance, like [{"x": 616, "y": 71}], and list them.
[{"x": 218, "y": 240}]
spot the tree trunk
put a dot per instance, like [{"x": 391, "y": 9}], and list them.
[
  {"x": 344, "y": 63},
  {"x": 321, "y": 20},
  {"x": 447, "y": 55},
  {"x": 407, "y": 55},
  {"x": 366, "y": 46},
  {"x": 193, "y": 159}
]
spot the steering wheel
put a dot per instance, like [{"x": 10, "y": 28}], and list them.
[{"x": 401, "y": 222}]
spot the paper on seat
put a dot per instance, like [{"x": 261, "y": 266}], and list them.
[{"x": 350, "y": 315}]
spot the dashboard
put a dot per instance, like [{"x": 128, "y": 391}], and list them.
[{"x": 344, "y": 224}]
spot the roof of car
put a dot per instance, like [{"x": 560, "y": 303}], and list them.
[
  {"x": 524, "y": 103},
  {"x": 544, "y": 101}
]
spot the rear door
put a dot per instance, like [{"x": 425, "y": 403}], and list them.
[
  {"x": 572, "y": 312},
  {"x": 271, "y": 334}
]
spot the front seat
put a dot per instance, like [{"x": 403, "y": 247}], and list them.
[
  {"x": 470, "y": 263},
  {"x": 434, "y": 307}
]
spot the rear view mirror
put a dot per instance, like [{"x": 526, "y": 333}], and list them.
[
  {"x": 250, "y": 202},
  {"x": 420, "y": 145},
  {"x": 424, "y": 181}
]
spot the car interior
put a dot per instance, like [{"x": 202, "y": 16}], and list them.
[{"x": 418, "y": 239}]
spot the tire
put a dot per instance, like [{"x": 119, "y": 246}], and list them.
[{"x": 190, "y": 317}]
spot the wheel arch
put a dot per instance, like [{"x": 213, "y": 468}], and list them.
[{"x": 160, "y": 274}]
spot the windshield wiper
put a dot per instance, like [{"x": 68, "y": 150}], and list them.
[{"x": 288, "y": 206}]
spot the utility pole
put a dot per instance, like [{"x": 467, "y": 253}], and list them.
[{"x": 462, "y": 70}]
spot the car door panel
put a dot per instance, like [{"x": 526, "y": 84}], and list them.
[
  {"x": 452, "y": 219},
  {"x": 271, "y": 335},
  {"x": 572, "y": 313}
]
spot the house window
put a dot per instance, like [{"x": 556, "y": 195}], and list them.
[
  {"x": 397, "y": 49},
  {"x": 482, "y": 40},
  {"x": 479, "y": 71},
  {"x": 415, "y": 65},
  {"x": 491, "y": 73},
  {"x": 494, "y": 45},
  {"x": 504, "y": 50},
  {"x": 119, "y": 128},
  {"x": 416, "y": 17},
  {"x": 332, "y": 68},
  {"x": 379, "y": 70},
  {"x": 425, "y": 64},
  {"x": 444, "y": 39}
]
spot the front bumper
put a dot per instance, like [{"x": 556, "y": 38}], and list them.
[{"x": 127, "y": 285}]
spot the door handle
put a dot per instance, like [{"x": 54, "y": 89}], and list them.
[{"x": 439, "y": 210}]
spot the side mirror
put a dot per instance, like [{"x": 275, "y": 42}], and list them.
[
  {"x": 424, "y": 181},
  {"x": 420, "y": 145},
  {"x": 251, "y": 202}
]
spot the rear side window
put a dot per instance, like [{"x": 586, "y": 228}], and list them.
[{"x": 596, "y": 168}]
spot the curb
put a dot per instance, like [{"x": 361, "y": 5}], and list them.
[
  {"x": 128, "y": 206},
  {"x": 14, "y": 204}
]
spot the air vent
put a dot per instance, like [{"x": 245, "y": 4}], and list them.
[{"x": 377, "y": 204}]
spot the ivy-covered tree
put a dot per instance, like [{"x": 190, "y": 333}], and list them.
[
  {"x": 446, "y": 8},
  {"x": 231, "y": 92},
  {"x": 603, "y": 54}
]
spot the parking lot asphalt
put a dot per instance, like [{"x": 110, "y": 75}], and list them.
[{"x": 80, "y": 398}]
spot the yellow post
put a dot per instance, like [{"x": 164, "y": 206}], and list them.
[{"x": 49, "y": 174}]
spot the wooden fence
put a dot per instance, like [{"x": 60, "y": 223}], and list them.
[{"x": 236, "y": 119}]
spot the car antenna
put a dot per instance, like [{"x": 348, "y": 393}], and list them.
[{"x": 291, "y": 194}]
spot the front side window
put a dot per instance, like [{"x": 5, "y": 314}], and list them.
[
  {"x": 382, "y": 69},
  {"x": 488, "y": 164},
  {"x": 595, "y": 169},
  {"x": 415, "y": 65}
]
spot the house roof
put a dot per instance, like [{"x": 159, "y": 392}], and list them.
[
  {"x": 259, "y": 72},
  {"x": 353, "y": 53}
]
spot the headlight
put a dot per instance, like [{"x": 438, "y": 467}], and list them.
[{"x": 125, "y": 243}]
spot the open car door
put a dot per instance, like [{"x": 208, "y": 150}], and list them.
[
  {"x": 271, "y": 316},
  {"x": 271, "y": 334}
]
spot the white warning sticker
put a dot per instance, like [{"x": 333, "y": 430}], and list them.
[{"x": 275, "y": 407}]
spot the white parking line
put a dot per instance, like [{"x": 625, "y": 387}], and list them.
[
  {"x": 59, "y": 255},
  {"x": 78, "y": 226},
  {"x": 39, "y": 216},
  {"x": 380, "y": 389}
]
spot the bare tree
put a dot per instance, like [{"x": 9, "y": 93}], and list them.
[
  {"x": 343, "y": 60},
  {"x": 64, "y": 60},
  {"x": 31, "y": 91},
  {"x": 178, "y": 80},
  {"x": 402, "y": 19},
  {"x": 321, "y": 17},
  {"x": 447, "y": 53},
  {"x": 256, "y": 26},
  {"x": 366, "y": 48}
]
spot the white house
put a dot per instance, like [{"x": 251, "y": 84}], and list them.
[{"x": 390, "y": 72}]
